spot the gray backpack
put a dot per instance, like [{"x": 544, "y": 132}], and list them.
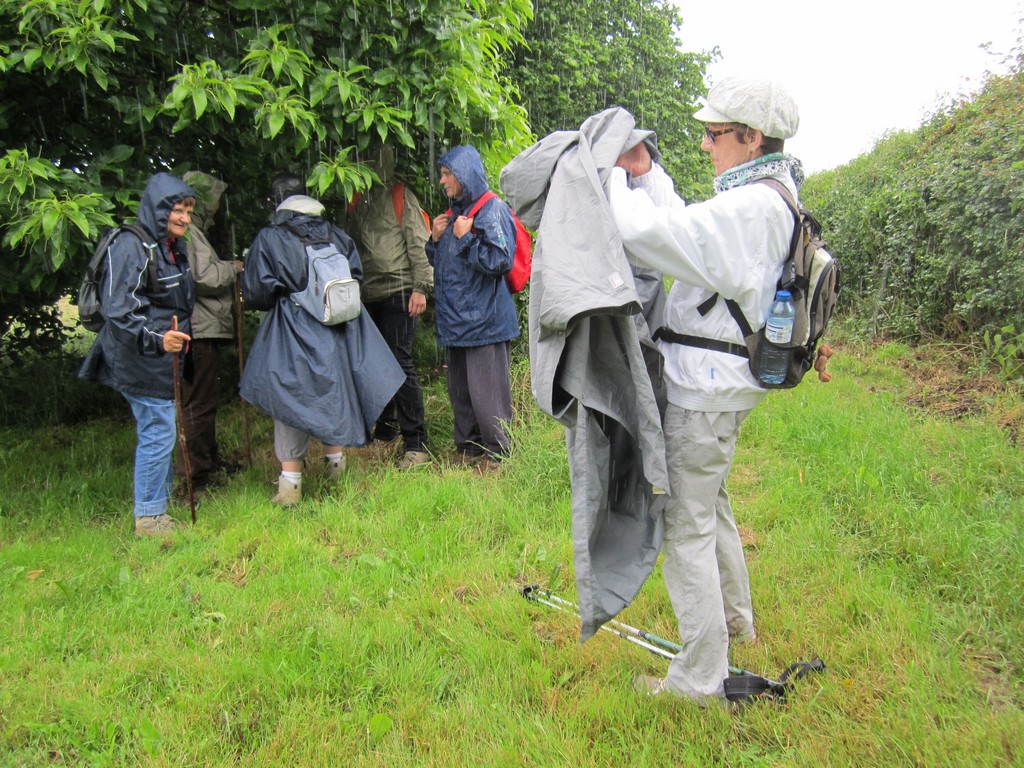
[
  {"x": 90, "y": 305},
  {"x": 810, "y": 274},
  {"x": 331, "y": 294}
]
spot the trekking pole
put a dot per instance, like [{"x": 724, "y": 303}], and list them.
[
  {"x": 653, "y": 643},
  {"x": 241, "y": 366},
  {"x": 530, "y": 594},
  {"x": 668, "y": 645},
  {"x": 185, "y": 463}
]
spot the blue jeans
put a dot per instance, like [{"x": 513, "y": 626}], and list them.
[{"x": 154, "y": 453}]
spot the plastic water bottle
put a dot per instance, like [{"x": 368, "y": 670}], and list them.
[{"x": 774, "y": 362}]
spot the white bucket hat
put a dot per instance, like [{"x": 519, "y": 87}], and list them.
[{"x": 761, "y": 104}]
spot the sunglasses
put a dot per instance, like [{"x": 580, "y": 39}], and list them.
[{"x": 712, "y": 135}]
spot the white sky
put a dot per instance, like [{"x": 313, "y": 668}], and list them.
[{"x": 856, "y": 70}]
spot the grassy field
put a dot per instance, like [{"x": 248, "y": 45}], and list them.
[{"x": 381, "y": 624}]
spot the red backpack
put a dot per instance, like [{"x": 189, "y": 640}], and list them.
[
  {"x": 397, "y": 200},
  {"x": 519, "y": 275}
]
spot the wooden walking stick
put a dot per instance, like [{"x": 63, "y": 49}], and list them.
[
  {"x": 185, "y": 463},
  {"x": 241, "y": 366}
]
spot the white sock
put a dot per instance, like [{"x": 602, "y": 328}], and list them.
[
  {"x": 292, "y": 477},
  {"x": 334, "y": 458}
]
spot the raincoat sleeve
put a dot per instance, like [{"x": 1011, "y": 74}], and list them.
[
  {"x": 125, "y": 304},
  {"x": 212, "y": 275},
  {"x": 347, "y": 246},
  {"x": 416, "y": 234},
  {"x": 272, "y": 269},
  {"x": 722, "y": 245},
  {"x": 491, "y": 246}
]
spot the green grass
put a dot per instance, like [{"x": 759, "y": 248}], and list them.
[{"x": 380, "y": 623}]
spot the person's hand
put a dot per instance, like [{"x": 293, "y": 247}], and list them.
[
  {"x": 239, "y": 266},
  {"x": 417, "y": 304},
  {"x": 439, "y": 226},
  {"x": 462, "y": 226},
  {"x": 637, "y": 161},
  {"x": 174, "y": 341}
]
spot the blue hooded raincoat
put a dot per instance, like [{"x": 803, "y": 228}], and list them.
[{"x": 473, "y": 305}]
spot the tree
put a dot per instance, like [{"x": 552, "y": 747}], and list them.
[
  {"x": 582, "y": 56},
  {"x": 929, "y": 226},
  {"x": 96, "y": 95}
]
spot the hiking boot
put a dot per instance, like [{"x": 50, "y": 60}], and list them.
[
  {"x": 288, "y": 493},
  {"x": 155, "y": 525},
  {"x": 413, "y": 459},
  {"x": 336, "y": 467}
]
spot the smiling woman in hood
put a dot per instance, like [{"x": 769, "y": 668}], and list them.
[{"x": 147, "y": 287}]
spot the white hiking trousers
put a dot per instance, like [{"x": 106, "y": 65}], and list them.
[{"x": 704, "y": 568}]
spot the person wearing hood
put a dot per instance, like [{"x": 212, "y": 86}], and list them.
[
  {"x": 729, "y": 247},
  {"x": 390, "y": 233},
  {"x": 147, "y": 288},
  {"x": 212, "y": 327},
  {"x": 475, "y": 312},
  {"x": 330, "y": 382}
]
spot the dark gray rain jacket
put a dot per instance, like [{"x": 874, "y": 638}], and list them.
[
  {"x": 589, "y": 368},
  {"x": 332, "y": 382},
  {"x": 128, "y": 352}
]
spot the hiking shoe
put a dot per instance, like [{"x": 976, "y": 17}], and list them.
[
  {"x": 649, "y": 685},
  {"x": 288, "y": 493},
  {"x": 155, "y": 525},
  {"x": 743, "y": 637},
  {"x": 489, "y": 467},
  {"x": 413, "y": 459},
  {"x": 335, "y": 468},
  {"x": 462, "y": 459}
]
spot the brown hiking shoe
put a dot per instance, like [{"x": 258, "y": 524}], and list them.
[
  {"x": 461, "y": 459},
  {"x": 155, "y": 525},
  {"x": 489, "y": 467}
]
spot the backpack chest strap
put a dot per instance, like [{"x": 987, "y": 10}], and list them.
[{"x": 715, "y": 345}]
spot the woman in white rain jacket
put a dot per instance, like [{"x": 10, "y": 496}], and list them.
[{"x": 731, "y": 246}]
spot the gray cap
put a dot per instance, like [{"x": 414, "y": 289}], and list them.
[{"x": 762, "y": 104}]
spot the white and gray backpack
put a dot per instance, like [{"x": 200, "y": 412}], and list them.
[{"x": 331, "y": 294}]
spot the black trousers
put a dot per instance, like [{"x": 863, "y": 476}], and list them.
[
  {"x": 391, "y": 316},
  {"x": 199, "y": 399}
]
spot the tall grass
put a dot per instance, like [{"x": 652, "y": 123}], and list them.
[{"x": 380, "y": 622}]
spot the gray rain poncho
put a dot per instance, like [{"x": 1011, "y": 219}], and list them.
[{"x": 591, "y": 367}]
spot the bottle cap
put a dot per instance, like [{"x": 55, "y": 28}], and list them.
[{"x": 783, "y": 295}]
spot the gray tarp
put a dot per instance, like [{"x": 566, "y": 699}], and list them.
[{"x": 589, "y": 369}]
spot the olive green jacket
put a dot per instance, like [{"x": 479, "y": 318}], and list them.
[{"x": 393, "y": 255}]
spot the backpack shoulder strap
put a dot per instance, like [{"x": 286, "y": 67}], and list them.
[
  {"x": 480, "y": 203},
  {"x": 787, "y": 196},
  {"x": 353, "y": 204},
  {"x": 398, "y": 200}
]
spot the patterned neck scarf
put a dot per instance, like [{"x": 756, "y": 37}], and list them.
[{"x": 761, "y": 168}]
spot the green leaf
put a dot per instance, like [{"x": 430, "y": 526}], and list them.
[
  {"x": 199, "y": 102},
  {"x": 275, "y": 123},
  {"x": 380, "y": 724}
]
